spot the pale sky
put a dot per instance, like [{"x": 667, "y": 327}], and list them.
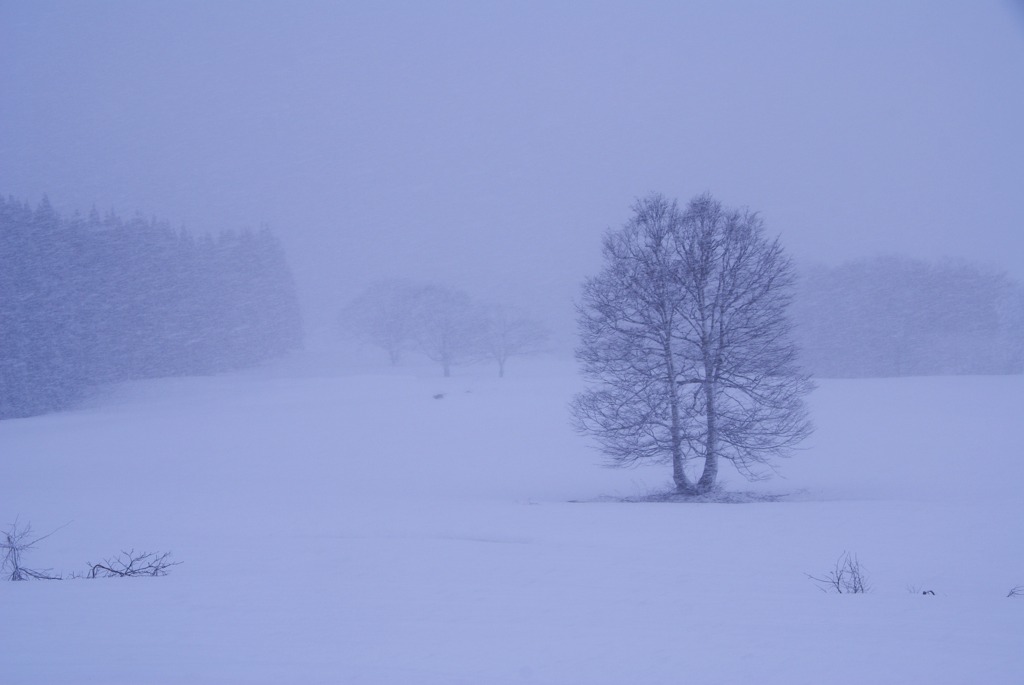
[{"x": 491, "y": 144}]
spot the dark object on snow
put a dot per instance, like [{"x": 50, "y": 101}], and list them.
[{"x": 130, "y": 564}]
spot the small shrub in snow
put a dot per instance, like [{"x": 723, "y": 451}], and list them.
[
  {"x": 132, "y": 563},
  {"x": 1016, "y": 591},
  {"x": 15, "y": 542},
  {"x": 846, "y": 577}
]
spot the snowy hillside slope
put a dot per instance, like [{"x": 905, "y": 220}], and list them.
[{"x": 356, "y": 528}]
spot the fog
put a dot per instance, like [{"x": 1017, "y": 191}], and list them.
[
  {"x": 490, "y": 145},
  {"x": 439, "y": 175}
]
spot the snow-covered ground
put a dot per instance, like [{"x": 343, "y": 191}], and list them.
[{"x": 356, "y": 529}]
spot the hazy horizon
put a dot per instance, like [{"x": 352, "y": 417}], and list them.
[{"x": 491, "y": 145}]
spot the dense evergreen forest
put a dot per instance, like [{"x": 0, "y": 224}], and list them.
[
  {"x": 899, "y": 316},
  {"x": 91, "y": 300}
]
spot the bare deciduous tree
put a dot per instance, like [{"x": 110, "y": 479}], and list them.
[
  {"x": 384, "y": 315},
  {"x": 449, "y": 327},
  {"x": 629, "y": 346},
  {"x": 509, "y": 333},
  {"x": 685, "y": 338}
]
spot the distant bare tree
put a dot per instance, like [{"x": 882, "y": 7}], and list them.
[
  {"x": 449, "y": 326},
  {"x": 685, "y": 339},
  {"x": 510, "y": 333},
  {"x": 384, "y": 315}
]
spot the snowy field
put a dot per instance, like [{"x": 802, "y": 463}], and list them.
[{"x": 356, "y": 529}]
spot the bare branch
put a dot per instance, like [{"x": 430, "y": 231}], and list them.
[
  {"x": 15, "y": 541},
  {"x": 846, "y": 577},
  {"x": 131, "y": 564}
]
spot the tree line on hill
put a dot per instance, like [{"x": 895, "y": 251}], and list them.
[
  {"x": 91, "y": 300},
  {"x": 899, "y": 316},
  {"x": 444, "y": 324}
]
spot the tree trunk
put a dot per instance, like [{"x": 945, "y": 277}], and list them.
[
  {"x": 501, "y": 367},
  {"x": 710, "y": 474},
  {"x": 683, "y": 484}
]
